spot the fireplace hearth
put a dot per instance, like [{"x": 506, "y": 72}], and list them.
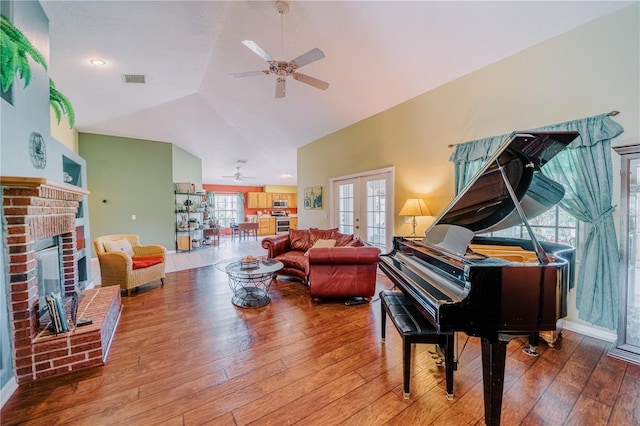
[{"x": 36, "y": 211}]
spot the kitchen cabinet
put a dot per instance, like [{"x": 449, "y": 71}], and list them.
[
  {"x": 257, "y": 200},
  {"x": 293, "y": 223},
  {"x": 262, "y": 200},
  {"x": 293, "y": 200},
  {"x": 266, "y": 226},
  {"x": 252, "y": 200}
]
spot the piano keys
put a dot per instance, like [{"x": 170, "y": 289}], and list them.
[{"x": 491, "y": 287}]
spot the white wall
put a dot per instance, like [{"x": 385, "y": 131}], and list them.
[{"x": 588, "y": 71}]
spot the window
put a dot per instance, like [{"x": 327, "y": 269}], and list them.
[
  {"x": 555, "y": 225},
  {"x": 225, "y": 209}
]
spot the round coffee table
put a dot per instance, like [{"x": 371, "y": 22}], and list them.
[{"x": 250, "y": 283}]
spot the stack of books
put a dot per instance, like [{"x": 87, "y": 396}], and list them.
[{"x": 58, "y": 316}]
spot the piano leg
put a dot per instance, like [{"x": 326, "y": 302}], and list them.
[
  {"x": 534, "y": 341},
  {"x": 494, "y": 355},
  {"x": 449, "y": 363}
]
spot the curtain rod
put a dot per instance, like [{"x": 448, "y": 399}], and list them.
[{"x": 610, "y": 114}]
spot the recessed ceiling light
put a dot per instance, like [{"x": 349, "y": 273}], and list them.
[{"x": 98, "y": 62}]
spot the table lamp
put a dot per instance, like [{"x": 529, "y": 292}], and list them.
[{"x": 414, "y": 207}]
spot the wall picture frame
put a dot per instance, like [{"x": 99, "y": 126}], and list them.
[{"x": 313, "y": 198}]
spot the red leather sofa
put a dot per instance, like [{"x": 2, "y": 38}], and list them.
[{"x": 346, "y": 270}]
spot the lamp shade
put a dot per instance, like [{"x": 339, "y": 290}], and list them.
[{"x": 415, "y": 207}]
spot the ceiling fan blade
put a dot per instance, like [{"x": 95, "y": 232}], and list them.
[
  {"x": 249, "y": 73},
  {"x": 258, "y": 50},
  {"x": 322, "y": 85},
  {"x": 306, "y": 58},
  {"x": 280, "y": 87}
]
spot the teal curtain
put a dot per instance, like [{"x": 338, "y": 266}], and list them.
[
  {"x": 211, "y": 200},
  {"x": 469, "y": 157},
  {"x": 240, "y": 204},
  {"x": 585, "y": 171},
  {"x": 211, "y": 206}
]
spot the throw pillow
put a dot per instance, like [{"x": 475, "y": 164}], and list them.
[
  {"x": 299, "y": 239},
  {"x": 321, "y": 244},
  {"x": 316, "y": 234},
  {"x": 356, "y": 242},
  {"x": 343, "y": 239},
  {"x": 122, "y": 245},
  {"x": 146, "y": 261}
]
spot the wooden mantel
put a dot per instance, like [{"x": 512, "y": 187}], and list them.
[{"x": 35, "y": 182}]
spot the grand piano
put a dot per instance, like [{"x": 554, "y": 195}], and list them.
[{"x": 491, "y": 287}]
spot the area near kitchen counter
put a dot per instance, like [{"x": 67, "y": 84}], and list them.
[
  {"x": 273, "y": 207},
  {"x": 278, "y": 222}
]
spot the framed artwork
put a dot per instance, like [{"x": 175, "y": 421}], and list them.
[{"x": 313, "y": 198}]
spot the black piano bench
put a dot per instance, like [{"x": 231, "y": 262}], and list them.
[{"x": 415, "y": 328}]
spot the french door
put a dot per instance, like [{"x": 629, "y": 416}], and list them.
[
  {"x": 363, "y": 206},
  {"x": 628, "y": 344}
]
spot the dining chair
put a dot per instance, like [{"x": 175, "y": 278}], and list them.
[{"x": 235, "y": 231}]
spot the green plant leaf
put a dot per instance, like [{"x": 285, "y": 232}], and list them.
[
  {"x": 16, "y": 50},
  {"x": 60, "y": 104}
]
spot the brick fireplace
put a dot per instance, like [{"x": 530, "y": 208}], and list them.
[{"x": 35, "y": 209}]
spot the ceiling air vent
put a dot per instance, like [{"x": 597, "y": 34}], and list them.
[{"x": 133, "y": 78}]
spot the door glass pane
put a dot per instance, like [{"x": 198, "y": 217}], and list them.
[
  {"x": 376, "y": 213},
  {"x": 633, "y": 287},
  {"x": 345, "y": 212},
  {"x": 360, "y": 207}
]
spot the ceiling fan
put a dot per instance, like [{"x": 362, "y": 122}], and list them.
[
  {"x": 282, "y": 68},
  {"x": 238, "y": 177}
]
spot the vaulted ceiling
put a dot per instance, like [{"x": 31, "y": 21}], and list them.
[{"x": 377, "y": 55}]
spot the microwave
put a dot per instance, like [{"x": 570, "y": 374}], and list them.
[{"x": 278, "y": 204}]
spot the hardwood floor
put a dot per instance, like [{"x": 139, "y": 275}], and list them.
[{"x": 184, "y": 355}]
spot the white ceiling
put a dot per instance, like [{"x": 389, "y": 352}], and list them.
[{"x": 378, "y": 54}]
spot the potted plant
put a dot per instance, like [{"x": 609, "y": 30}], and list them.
[{"x": 15, "y": 50}]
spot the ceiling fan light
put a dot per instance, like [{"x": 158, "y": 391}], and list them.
[{"x": 285, "y": 68}]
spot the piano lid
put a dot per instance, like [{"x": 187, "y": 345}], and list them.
[{"x": 485, "y": 202}]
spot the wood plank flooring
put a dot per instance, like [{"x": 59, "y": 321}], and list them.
[{"x": 184, "y": 355}]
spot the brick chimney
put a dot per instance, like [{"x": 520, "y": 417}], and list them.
[{"x": 35, "y": 209}]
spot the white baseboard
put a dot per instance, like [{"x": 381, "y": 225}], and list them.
[
  {"x": 7, "y": 390},
  {"x": 598, "y": 333}
]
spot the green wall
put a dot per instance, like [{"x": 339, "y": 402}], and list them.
[
  {"x": 130, "y": 177},
  {"x": 186, "y": 167}
]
